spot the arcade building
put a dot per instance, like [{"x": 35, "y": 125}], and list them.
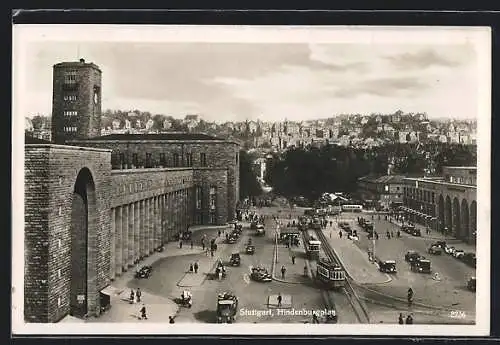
[{"x": 96, "y": 205}]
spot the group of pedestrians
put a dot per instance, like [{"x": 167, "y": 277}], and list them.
[
  {"x": 407, "y": 321},
  {"x": 193, "y": 267},
  {"x": 135, "y": 295}
]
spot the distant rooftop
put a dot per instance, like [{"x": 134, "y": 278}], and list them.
[
  {"x": 159, "y": 136},
  {"x": 384, "y": 179}
]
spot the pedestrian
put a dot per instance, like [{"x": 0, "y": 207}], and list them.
[
  {"x": 132, "y": 296},
  {"x": 143, "y": 313},
  {"x": 331, "y": 223},
  {"x": 315, "y": 317},
  {"x": 191, "y": 268},
  {"x": 191, "y": 244},
  {"x": 206, "y": 251},
  {"x": 196, "y": 267},
  {"x": 219, "y": 233},
  {"x": 293, "y": 259},
  {"x": 171, "y": 319},
  {"x": 203, "y": 244},
  {"x": 180, "y": 244},
  {"x": 340, "y": 234},
  {"x": 305, "y": 270},
  {"x": 401, "y": 319},
  {"x": 410, "y": 297},
  {"x": 409, "y": 320},
  {"x": 376, "y": 235},
  {"x": 399, "y": 234},
  {"x": 138, "y": 294},
  {"x": 212, "y": 253},
  {"x": 283, "y": 271},
  {"x": 279, "y": 300}
]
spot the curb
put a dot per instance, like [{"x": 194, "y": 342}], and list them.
[{"x": 402, "y": 300}]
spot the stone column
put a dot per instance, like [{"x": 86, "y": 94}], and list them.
[
  {"x": 146, "y": 227},
  {"x": 118, "y": 242},
  {"x": 162, "y": 213},
  {"x": 151, "y": 225},
  {"x": 125, "y": 237},
  {"x": 158, "y": 222},
  {"x": 131, "y": 238},
  {"x": 112, "y": 261},
  {"x": 137, "y": 226},
  {"x": 142, "y": 230}
]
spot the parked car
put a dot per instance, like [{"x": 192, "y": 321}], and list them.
[
  {"x": 421, "y": 265},
  {"x": 449, "y": 250},
  {"x": 435, "y": 250},
  {"x": 458, "y": 254},
  {"x": 387, "y": 266},
  {"x": 470, "y": 259},
  {"x": 411, "y": 256},
  {"x": 415, "y": 232},
  {"x": 471, "y": 284},
  {"x": 144, "y": 272},
  {"x": 441, "y": 244}
]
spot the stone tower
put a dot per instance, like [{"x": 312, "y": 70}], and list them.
[{"x": 76, "y": 102}]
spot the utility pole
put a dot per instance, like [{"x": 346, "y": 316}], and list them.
[{"x": 373, "y": 244}]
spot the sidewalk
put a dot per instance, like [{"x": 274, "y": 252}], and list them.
[{"x": 354, "y": 260}]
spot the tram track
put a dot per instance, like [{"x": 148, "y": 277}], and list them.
[{"x": 357, "y": 305}]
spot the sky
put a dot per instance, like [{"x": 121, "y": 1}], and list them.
[{"x": 268, "y": 81}]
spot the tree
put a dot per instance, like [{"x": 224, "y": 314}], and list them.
[{"x": 249, "y": 184}]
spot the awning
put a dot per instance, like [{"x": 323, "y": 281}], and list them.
[{"x": 110, "y": 291}]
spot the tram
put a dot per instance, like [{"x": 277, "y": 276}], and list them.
[
  {"x": 312, "y": 248},
  {"x": 330, "y": 273}
]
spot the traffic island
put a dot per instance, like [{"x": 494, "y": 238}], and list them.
[
  {"x": 294, "y": 273},
  {"x": 356, "y": 262}
]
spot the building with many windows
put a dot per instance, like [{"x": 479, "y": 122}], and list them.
[
  {"x": 447, "y": 203},
  {"x": 387, "y": 189},
  {"x": 95, "y": 206}
]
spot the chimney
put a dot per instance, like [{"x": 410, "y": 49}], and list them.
[{"x": 82, "y": 60}]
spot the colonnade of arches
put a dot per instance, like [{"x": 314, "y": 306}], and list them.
[{"x": 457, "y": 217}]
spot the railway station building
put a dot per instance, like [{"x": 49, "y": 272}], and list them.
[
  {"x": 96, "y": 205},
  {"x": 447, "y": 204}
]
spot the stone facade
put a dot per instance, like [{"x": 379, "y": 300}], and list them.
[
  {"x": 449, "y": 207},
  {"x": 50, "y": 175},
  {"x": 130, "y": 152},
  {"x": 76, "y": 103}
]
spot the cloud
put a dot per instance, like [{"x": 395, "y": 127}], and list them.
[
  {"x": 383, "y": 87},
  {"x": 422, "y": 59}
]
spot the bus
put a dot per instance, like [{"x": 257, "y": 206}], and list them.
[{"x": 352, "y": 208}]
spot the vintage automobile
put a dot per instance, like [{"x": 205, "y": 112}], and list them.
[
  {"x": 458, "y": 254},
  {"x": 471, "y": 284},
  {"x": 449, "y": 250},
  {"x": 387, "y": 266},
  {"x": 421, "y": 265},
  {"x": 328, "y": 317},
  {"x": 260, "y": 274},
  {"x": 186, "y": 299},
  {"x": 441, "y": 244},
  {"x": 470, "y": 259},
  {"x": 231, "y": 239},
  {"x": 260, "y": 231},
  {"x": 407, "y": 228},
  {"x": 250, "y": 249},
  {"x": 227, "y": 306},
  {"x": 415, "y": 232},
  {"x": 435, "y": 250},
  {"x": 235, "y": 259},
  {"x": 220, "y": 270},
  {"x": 144, "y": 272},
  {"x": 411, "y": 256},
  {"x": 238, "y": 227}
]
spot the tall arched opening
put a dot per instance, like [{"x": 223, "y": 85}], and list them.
[
  {"x": 457, "y": 232},
  {"x": 83, "y": 224},
  {"x": 448, "y": 214},
  {"x": 441, "y": 221},
  {"x": 473, "y": 222},
  {"x": 465, "y": 226}
]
